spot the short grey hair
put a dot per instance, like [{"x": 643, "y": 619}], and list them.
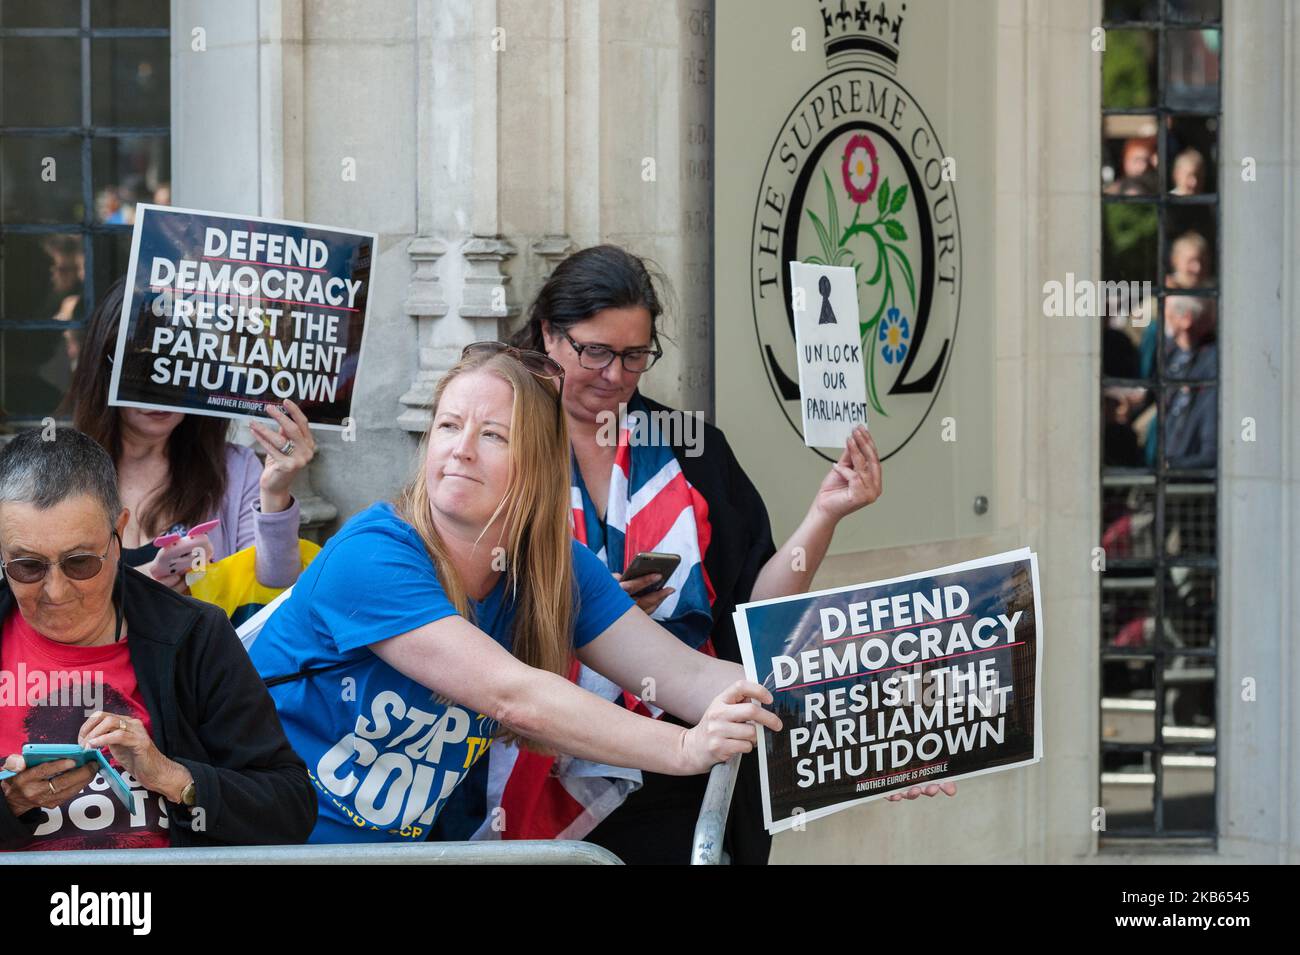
[{"x": 43, "y": 472}]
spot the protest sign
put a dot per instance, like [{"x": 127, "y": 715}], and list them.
[
  {"x": 223, "y": 314},
  {"x": 896, "y": 683},
  {"x": 832, "y": 376}
]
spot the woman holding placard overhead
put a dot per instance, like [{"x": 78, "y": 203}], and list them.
[
  {"x": 671, "y": 487},
  {"x": 184, "y": 483}
]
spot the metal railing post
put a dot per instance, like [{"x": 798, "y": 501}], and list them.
[{"x": 712, "y": 823}]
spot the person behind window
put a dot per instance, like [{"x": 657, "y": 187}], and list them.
[
  {"x": 179, "y": 470},
  {"x": 1189, "y": 262},
  {"x": 1189, "y": 267},
  {"x": 1119, "y": 443},
  {"x": 1137, "y": 168},
  {"x": 171, "y": 695},
  {"x": 424, "y": 630},
  {"x": 1189, "y": 173},
  {"x": 1191, "y": 352}
]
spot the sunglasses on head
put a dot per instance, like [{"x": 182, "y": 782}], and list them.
[
  {"x": 31, "y": 570},
  {"x": 541, "y": 365}
]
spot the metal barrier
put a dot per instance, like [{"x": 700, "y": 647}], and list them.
[
  {"x": 706, "y": 848},
  {"x": 712, "y": 823},
  {"x": 522, "y": 852}
]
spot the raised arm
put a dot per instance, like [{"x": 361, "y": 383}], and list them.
[
  {"x": 642, "y": 657},
  {"x": 854, "y": 482},
  {"x": 453, "y": 657}
]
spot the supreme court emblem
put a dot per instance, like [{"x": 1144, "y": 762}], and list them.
[{"x": 857, "y": 177}]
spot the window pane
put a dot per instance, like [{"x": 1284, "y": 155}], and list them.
[
  {"x": 1128, "y": 518},
  {"x": 1128, "y": 701},
  {"x": 45, "y": 13},
  {"x": 40, "y": 179},
  {"x": 1128, "y": 609},
  {"x": 1120, "y": 359},
  {"x": 1192, "y": 69},
  {"x": 1194, "y": 10},
  {"x": 1128, "y": 251},
  {"x": 1189, "y": 700},
  {"x": 1189, "y": 608},
  {"x": 1190, "y": 519},
  {"x": 1128, "y": 418},
  {"x": 37, "y": 370},
  {"x": 1193, "y": 146},
  {"x": 1191, "y": 424},
  {"x": 1131, "y": 9},
  {"x": 1128, "y": 157},
  {"x": 40, "y": 81},
  {"x": 111, "y": 255},
  {"x": 1190, "y": 255},
  {"x": 1187, "y": 791},
  {"x": 128, "y": 170},
  {"x": 132, "y": 82},
  {"x": 41, "y": 276},
  {"x": 1128, "y": 791},
  {"x": 129, "y": 13},
  {"x": 1128, "y": 69},
  {"x": 1190, "y": 337}
]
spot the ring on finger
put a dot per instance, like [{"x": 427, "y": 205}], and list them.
[
  {"x": 288, "y": 448},
  {"x": 51, "y": 785}
]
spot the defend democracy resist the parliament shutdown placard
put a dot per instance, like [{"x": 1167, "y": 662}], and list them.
[
  {"x": 886, "y": 685},
  {"x": 223, "y": 314}
]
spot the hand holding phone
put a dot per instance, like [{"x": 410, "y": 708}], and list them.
[
  {"x": 167, "y": 540},
  {"x": 176, "y": 552},
  {"x": 651, "y": 562},
  {"x": 34, "y": 754}
]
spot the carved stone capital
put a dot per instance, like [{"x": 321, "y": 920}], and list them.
[
  {"x": 424, "y": 296},
  {"x": 486, "y": 291}
]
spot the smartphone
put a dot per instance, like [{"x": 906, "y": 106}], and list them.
[
  {"x": 36, "y": 753},
  {"x": 652, "y": 562}
]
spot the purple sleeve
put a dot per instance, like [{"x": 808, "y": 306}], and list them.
[{"x": 244, "y": 525}]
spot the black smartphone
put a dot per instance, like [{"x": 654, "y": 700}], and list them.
[{"x": 652, "y": 562}]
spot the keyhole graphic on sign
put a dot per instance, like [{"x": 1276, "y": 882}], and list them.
[{"x": 828, "y": 315}]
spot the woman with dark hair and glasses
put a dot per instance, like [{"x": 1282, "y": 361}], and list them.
[
  {"x": 426, "y": 629},
  {"x": 176, "y": 471},
  {"x": 116, "y": 661},
  {"x": 637, "y": 487}
]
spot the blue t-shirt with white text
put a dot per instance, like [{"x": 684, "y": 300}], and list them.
[{"x": 383, "y": 751}]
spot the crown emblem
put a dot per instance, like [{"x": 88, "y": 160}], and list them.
[{"x": 862, "y": 34}]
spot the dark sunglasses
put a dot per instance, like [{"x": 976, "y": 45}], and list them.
[
  {"x": 30, "y": 570},
  {"x": 541, "y": 365}
]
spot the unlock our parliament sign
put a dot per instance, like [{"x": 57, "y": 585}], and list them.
[{"x": 832, "y": 376}]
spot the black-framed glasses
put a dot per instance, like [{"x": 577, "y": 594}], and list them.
[
  {"x": 31, "y": 570},
  {"x": 594, "y": 357},
  {"x": 540, "y": 364}
]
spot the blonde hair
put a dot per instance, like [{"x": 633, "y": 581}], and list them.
[{"x": 535, "y": 533}]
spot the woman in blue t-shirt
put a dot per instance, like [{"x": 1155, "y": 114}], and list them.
[{"x": 424, "y": 630}]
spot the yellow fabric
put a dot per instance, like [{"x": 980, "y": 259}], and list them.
[{"x": 231, "y": 583}]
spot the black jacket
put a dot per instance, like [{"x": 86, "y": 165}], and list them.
[
  {"x": 740, "y": 545},
  {"x": 210, "y": 712}
]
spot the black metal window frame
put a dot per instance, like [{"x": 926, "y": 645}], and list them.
[
  {"x": 88, "y": 228},
  {"x": 1159, "y": 478}
]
